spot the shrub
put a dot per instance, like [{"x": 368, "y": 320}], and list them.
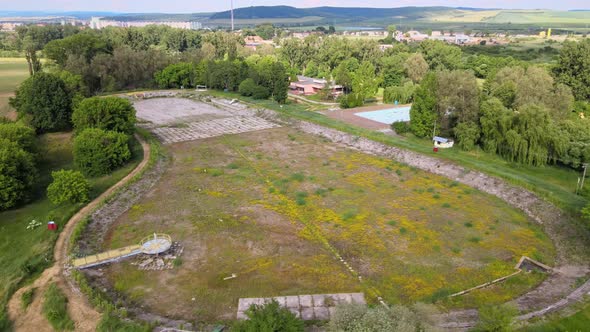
[
  {"x": 97, "y": 152},
  {"x": 27, "y": 298},
  {"x": 496, "y": 318},
  {"x": 108, "y": 113},
  {"x": 55, "y": 309},
  {"x": 400, "y": 127},
  {"x": 247, "y": 87},
  {"x": 45, "y": 101},
  {"x": 351, "y": 100},
  {"x": 269, "y": 317},
  {"x": 355, "y": 317},
  {"x": 17, "y": 174},
  {"x": 110, "y": 322},
  {"x": 22, "y": 135},
  {"x": 260, "y": 92},
  {"x": 68, "y": 186}
]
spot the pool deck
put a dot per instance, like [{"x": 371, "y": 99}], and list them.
[{"x": 348, "y": 116}]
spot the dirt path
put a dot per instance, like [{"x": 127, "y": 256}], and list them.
[{"x": 81, "y": 312}]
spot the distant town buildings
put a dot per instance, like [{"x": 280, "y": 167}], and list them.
[
  {"x": 7, "y": 26},
  {"x": 99, "y": 23}
]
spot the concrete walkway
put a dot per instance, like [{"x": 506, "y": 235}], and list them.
[{"x": 306, "y": 307}]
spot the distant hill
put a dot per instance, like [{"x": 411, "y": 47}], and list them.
[
  {"x": 273, "y": 12},
  {"x": 258, "y": 12}
]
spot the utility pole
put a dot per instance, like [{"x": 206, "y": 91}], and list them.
[
  {"x": 232, "y": 15},
  {"x": 585, "y": 166},
  {"x": 434, "y": 130}
]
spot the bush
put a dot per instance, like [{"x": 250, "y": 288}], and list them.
[
  {"x": 97, "y": 152},
  {"x": 111, "y": 322},
  {"x": 400, "y": 127},
  {"x": 260, "y": 92},
  {"x": 269, "y": 318},
  {"x": 108, "y": 113},
  {"x": 351, "y": 100},
  {"x": 247, "y": 87},
  {"x": 356, "y": 317},
  {"x": 17, "y": 174},
  {"x": 55, "y": 309},
  {"x": 27, "y": 298},
  {"x": 68, "y": 186},
  {"x": 22, "y": 135},
  {"x": 45, "y": 101},
  {"x": 496, "y": 318}
]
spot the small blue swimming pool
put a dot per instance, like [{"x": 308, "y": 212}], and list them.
[{"x": 388, "y": 116}]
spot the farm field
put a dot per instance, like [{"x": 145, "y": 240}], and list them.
[
  {"x": 275, "y": 206},
  {"x": 12, "y": 72}
]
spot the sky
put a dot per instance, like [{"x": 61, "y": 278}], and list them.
[{"x": 194, "y": 6}]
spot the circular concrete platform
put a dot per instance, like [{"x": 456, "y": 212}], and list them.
[{"x": 156, "y": 244}]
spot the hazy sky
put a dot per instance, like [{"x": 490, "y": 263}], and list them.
[{"x": 184, "y": 6}]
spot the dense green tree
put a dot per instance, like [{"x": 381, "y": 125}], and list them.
[
  {"x": 68, "y": 186},
  {"x": 364, "y": 81},
  {"x": 423, "y": 112},
  {"x": 265, "y": 31},
  {"x": 392, "y": 69},
  {"x": 457, "y": 94},
  {"x": 270, "y": 317},
  {"x": 403, "y": 94},
  {"x": 416, "y": 67},
  {"x": 467, "y": 134},
  {"x": 44, "y": 100},
  {"x": 107, "y": 113},
  {"x": 32, "y": 38},
  {"x": 495, "y": 122},
  {"x": 98, "y": 152},
  {"x": 247, "y": 87},
  {"x": 440, "y": 55},
  {"x": 20, "y": 134},
  {"x": 17, "y": 174},
  {"x": 84, "y": 45},
  {"x": 177, "y": 75},
  {"x": 343, "y": 73},
  {"x": 280, "y": 82},
  {"x": 573, "y": 68},
  {"x": 517, "y": 87}
]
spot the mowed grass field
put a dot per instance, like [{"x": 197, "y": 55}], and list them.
[
  {"x": 26, "y": 252},
  {"x": 12, "y": 72},
  {"x": 275, "y": 206}
]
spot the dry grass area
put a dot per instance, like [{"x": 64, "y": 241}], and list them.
[
  {"x": 12, "y": 72},
  {"x": 273, "y": 206}
]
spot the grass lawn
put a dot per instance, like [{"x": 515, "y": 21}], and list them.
[
  {"x": 12, "y": 72},
  {"x": 276, "y": 206},
  {"x": 556, "y": 184},
  {"x": 25, "y": 253}
]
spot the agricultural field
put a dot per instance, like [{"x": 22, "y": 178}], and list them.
[
  {"x": 275, "y": 207},
  {"x": 12, "y": 72}
]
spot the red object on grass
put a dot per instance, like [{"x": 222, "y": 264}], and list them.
[
  {"x": 52, "y": 226},
  {"x": 435, "y": 149}
]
